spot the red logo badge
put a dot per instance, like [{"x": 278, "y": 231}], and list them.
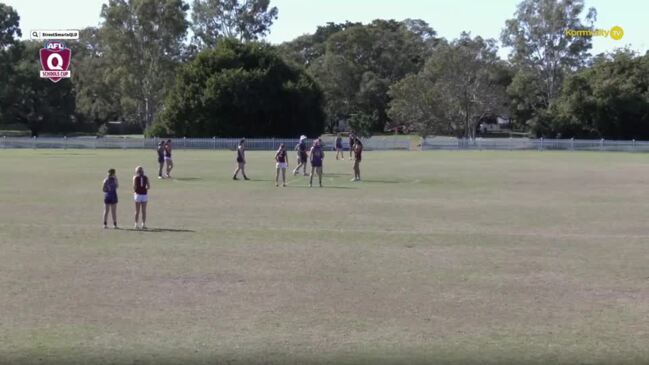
[{"x": 55, "y": 61}]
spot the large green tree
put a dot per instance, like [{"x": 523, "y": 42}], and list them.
[
  {"x": 543, "y": 53},
  {"x": 361, "y": 62},
  {"x": 97, "y": 99},
  {"x": 39, "y": 104},
  {"x": 142, "y": 41},
  {"x": 9, "y": 26},
  {"x": 246, "y": 20},
  {"x": 25, "y": 98},
  {"x": 306, "y": 48},
  {"x": 239, "y": 89},
  {"x": 9, "y": 32},
  {"x": 608, "y": 100},
  {"x": 461, "y": 84}
]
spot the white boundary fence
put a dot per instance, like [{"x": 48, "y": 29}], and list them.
[
  {"x": 534, "y": 144},
  {"x": 374, "y": 143}
]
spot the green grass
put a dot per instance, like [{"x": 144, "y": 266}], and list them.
[{"x": 437, "y": 257}]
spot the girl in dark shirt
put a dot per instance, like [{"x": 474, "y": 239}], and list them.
[
  {"x": 317, "y": 155},
  {"x": 358, "y": 151},
  {"x": 352, "y": 138},
  {"x": 281, "y": 163},
  {"x": 167, "y": 157},
  {"x": 109, "y": 187},
  {"x": 301, "y": 156},
  {"x": 339, "y": 147},
  {"x": 241, "y": 161},
  {"x": 161, "y": 158}
]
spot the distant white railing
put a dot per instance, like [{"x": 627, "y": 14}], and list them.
[
  {"x": 540, "y": 144},
  {"x": 374, "y": 143}
]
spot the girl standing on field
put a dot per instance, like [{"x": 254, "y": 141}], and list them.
[
  {"x": 167, "y": 157},
  {"x": 301, "y": 156},
  {"x": 241, "y": 160},
  {"x": 161, "y": 158},
  {"x": 351, "y": 144},
  {"x": 109, "y": 187},
  {"x": 317, "y": 155},
  {"x": 140, "y": 189},
  {"x": 281, "y": 160},
  {"x": 358, "y": 152},
  {"x": 339, "y": 147}
]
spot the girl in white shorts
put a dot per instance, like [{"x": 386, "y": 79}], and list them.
[
  {"x": 281, "y": 164},
  {"x": 140, "y": 194}
]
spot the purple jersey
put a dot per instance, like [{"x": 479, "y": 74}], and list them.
[
  {"x": 316, "y": 156},
  {"x": 301, "y": 152},
  {"x": 111, "y": 185},
  {"x": 110, "y": 190}
]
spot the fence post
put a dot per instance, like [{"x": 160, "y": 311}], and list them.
[
  {"x": 633, "y": 145},
  {"x": 65, "y": 142},
  {"x": 185, "y": 143},
  {"x": 214, "y": 142},
  {"x": 541, "y": 145},
  {"x": 34, "y": 142},
  {"x": 4, "y": 141},
  {"x": 572, "y": 143},
  {"x": 601, "y": 144},
  {"x": 123, "y": 142}
]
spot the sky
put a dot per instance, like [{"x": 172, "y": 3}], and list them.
[{"x": 297, "y": 17}]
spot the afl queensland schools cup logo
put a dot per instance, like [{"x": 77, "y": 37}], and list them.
[{"x": 55, "y": 61}]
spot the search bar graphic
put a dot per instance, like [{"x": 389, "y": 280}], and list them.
[{"x": 41, "y": 34}]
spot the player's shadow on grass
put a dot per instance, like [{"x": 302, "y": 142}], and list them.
[
  {"x": 158, "y": 230},
  {"x": 316, "y": 187},
  {"x": 187, "y": 178},
  {"x": 383, "y": 181}
]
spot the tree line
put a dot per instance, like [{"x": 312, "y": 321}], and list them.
[{"x": 141, "y": 68}]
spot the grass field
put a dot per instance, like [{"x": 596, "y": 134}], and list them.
[{"x": 437, "y": 257}]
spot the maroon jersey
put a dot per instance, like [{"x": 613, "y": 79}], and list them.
[
  {"x": 281, "y": 156},
  {"x": 358, "y": 151},
  {"x": 141, "y": 183}
]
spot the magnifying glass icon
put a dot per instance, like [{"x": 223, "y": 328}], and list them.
[{"x": 34, "y": 34}]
